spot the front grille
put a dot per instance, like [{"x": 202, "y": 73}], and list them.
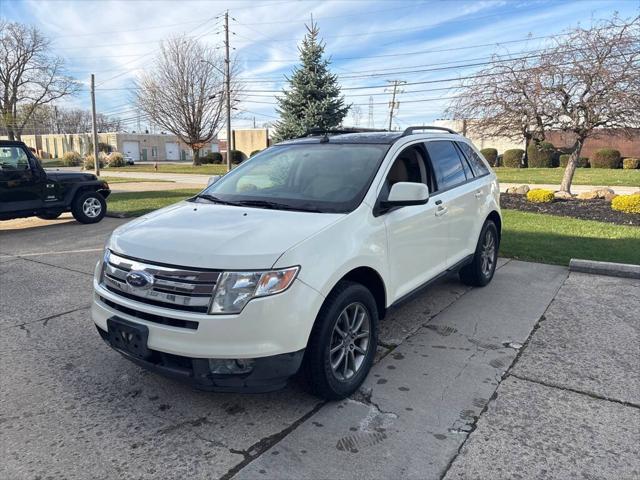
[
  {"x": 149, "y": 317},
  {"x": 178, "y": 288}
]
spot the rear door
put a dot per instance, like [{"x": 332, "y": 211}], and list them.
[
  {"x": 457, "y": 196},
  {"x": 20, "y": 187}
]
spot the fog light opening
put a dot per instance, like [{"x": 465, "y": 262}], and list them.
[{"x": 230, "y": 366}]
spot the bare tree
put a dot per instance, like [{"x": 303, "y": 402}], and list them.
[
  {"x": 29, "y": 74},
  {"x": 587, "y": 81},
  {"x": 182, "y": 93},
  {"x": 504, "y": 99},
  {"x": 592, "y": 81}
]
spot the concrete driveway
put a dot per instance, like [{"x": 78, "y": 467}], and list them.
[{"x": 535, "y": 376}]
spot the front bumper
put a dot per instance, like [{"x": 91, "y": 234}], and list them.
[{"x": 268, "y": 373}]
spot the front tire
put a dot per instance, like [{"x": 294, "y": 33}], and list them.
[
  {"x": 343, "y": 342},
  {"x": 89, "y": 207},
  {"x": 480, "y": 271}
]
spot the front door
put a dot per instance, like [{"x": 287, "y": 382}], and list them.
[
  {"x": 417, "y": 235},
  {"x": 144, "y": 154},
  {"x": 20, "y": 188}
]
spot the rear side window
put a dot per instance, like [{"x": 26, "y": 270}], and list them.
[
  {"x": 446, "y": 163},
  {"x": 477, "y": 165}
]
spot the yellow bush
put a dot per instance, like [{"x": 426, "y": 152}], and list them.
[
  {"x": 627, "y": 203},
  {"x": 540, "y": 196}
]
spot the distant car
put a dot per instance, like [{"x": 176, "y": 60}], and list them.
[
  {"x": 27, "y": 189},
  {"x": 127, "y": 159}
]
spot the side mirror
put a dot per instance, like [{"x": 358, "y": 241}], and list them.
[
  {"x": 213, "y": 179},
  {"x": 404, "y": 194}
]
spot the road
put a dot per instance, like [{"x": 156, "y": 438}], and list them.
[{"x": 535, "y": 375}]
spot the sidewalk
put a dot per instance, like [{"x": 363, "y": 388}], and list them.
[
  {"x": 574, "y": 188},
  {"x": 564, "y": 405}
]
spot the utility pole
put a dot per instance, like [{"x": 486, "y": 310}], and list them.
[
  {"x": 227, "y": 74},
  {"x": 393, "y": 105},
  {"x": 55, "y": 114},
  {"x": 94, "y": 125},
  {"x": 371, "y": 123}
]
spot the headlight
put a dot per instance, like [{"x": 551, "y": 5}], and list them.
[
  {"x": 235, "y": 289},
  {"x": 102, "y": 264}
]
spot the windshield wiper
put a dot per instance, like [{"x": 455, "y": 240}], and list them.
[
  {"x": 214, "y": 199},
  {"x": 276, "y": 206}
]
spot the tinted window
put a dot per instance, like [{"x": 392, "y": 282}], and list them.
[
  {"x": 478, "y": 166},
  {"x": 13, "y": 158},
  {"x": 446, "y": 163}
]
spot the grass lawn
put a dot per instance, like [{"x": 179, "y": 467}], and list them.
[
  {"x": 173, "y": 168},
  {"x": 583, "y": 176},
  {"x": 552, "y": 239},
  {"x": 131, "y": 180},
  {"x": 133, "y": 204}
]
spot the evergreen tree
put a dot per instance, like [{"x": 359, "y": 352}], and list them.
[{"x": 313, "y": 100}]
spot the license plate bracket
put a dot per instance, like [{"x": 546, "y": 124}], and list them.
[{"x": 128, "y": 337}]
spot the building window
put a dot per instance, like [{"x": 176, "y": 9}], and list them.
[{"x": 154, "y": 152}]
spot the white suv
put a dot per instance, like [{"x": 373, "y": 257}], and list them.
[{"x": 291, "y": 259}]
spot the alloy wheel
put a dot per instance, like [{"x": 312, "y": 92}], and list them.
[
  {"x": 92, "y": 207},
  {"x": 488, "y": 253},
  {"x": 350, "y": 341}
]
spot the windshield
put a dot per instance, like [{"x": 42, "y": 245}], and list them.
[{"x": 331, "y": 178}]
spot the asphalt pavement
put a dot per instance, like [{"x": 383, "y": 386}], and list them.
[{"x": 535, "y": 375}]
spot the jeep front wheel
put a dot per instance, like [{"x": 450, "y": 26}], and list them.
[{"x": 89, "y": 207}]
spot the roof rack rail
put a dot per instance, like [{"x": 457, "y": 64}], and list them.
[
  {"x": 337, "y": 131},
  {"x": 410, "y": 130}
]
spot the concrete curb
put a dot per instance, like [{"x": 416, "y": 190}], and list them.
[{"x": 625, "y": 270}]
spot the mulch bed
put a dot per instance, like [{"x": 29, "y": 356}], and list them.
[{"x": 599, "y": 210}]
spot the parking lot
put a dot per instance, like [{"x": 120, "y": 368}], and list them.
[{"x": 534, "y": 376}]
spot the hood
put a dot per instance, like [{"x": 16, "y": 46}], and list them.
[
  {"x": 216, "y": 236},
  {"x": 62, "y": 176}
]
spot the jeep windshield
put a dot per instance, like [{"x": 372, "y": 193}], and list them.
[{"x": 327, "y": 178}]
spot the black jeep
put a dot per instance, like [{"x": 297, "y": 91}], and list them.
[{"x": 27, "y": 189}]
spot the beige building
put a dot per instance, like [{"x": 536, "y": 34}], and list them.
[
  {"x": 139, "y": 146},
  {"x": 246, "y": 140}
]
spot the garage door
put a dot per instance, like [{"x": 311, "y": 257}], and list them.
[
  {"x": 172, "y": 150},
  {"x": 132, "y": 149}
]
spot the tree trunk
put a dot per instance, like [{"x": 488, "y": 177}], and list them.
[
  {"x": 567, "y": 178},
  {"x": 524, "y": 163},
  {"x": 196, "y": 156},
  {"x": 10, "y": 134}
]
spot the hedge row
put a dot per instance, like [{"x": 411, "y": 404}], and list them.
[{"x": 545, "y": 155}]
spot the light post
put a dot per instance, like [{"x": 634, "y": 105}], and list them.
[{"x": 227, "y": 105}]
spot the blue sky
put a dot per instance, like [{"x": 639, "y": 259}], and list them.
[{"x": 425, "y": 43}]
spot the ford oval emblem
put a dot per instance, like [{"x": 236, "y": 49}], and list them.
[{"x": 140, "y": 279}]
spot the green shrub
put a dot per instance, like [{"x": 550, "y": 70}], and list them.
[
  {"x": 115, "y": 159},
  {"x": 631, "y": 163},
  {"x": 606, "y": 158},
  {"x": 541, "y": 156},
  {"x": 210, "y": 158},
  {"x": 627, "y": 203},
  {"x": 583, "y": 162},
  {"x": 491, "y": 155},
  {"x": 89, "y": 161},
  {"x": 237, "y": 157},
  {"x": 254, "y": 153},
  {"x": 71, "y": 159},
  {"x": 512, "y": 158},
  {"x": 540, "y": 196}
]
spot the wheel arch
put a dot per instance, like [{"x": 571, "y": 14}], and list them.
[
  {"x": 494, "y": 216},
  {"x": 372, "y": 280}
]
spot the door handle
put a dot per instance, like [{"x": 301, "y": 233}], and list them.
[
  {"x": 478, "y": 194},
  {"x": 441, "y": 211}
]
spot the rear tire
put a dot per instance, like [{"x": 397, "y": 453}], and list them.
[
  {"x": 50, "y": 215},
  {"x": 343, "y": 342},
  {"x": 480, "y": 271},
  {"x": 89, "y": 207}
]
